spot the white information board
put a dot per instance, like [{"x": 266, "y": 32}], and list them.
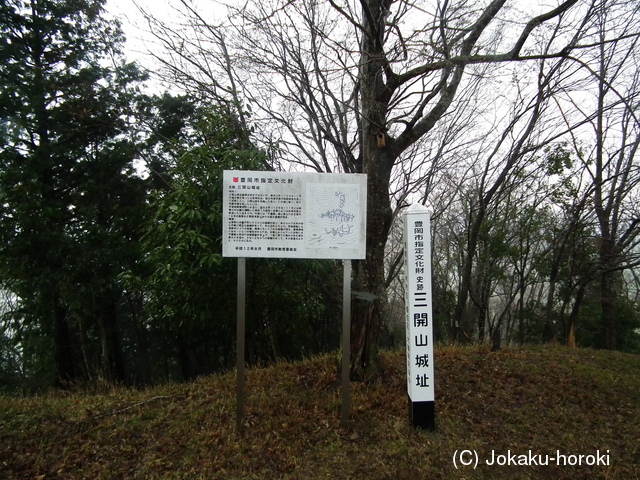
[
  {"x": 419, "y": 320},
  {"x": 294, "y": 215}
]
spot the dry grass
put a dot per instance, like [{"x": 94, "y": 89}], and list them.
[{"x": 538, "y": 399}]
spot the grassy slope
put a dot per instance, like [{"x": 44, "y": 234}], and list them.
[{"x": 539, "y": 399}]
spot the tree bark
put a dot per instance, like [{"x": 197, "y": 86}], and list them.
[
  {"x": 607, "y": 295},
  {"x": 63, "y": 353},
  {"x": 573, "y": 316},
  {"x": 112, "y": 356},
  {"x": 368, "y": 317}
]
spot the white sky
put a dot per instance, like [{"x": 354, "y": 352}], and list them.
[
  {"x": 133, "y": 24},
  {"x": 139, "y": 41}
]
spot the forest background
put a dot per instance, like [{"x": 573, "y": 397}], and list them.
[{"x": 518, "y": 128}]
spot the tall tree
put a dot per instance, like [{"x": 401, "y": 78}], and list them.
[
  {"x": 357, "y": 86},
  {"x": 290, "y": 304},
  {"x": 615, "y": 170},
  {"x": 607, "y": 149},
  {"x": 66, "y": 168},
  {"x": 187, "y": 280}
]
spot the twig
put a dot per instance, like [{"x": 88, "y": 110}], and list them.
[{"x": 130, "y": 407}]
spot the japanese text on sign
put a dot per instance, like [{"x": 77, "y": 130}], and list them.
[
  {"x": 419, "y": 328},
  {"x": 294, "y": 215}
]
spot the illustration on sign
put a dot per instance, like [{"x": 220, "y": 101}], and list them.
[{"x": 332, "y": 215}]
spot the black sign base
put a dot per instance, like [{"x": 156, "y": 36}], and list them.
[{"x": 422, "y": 415}]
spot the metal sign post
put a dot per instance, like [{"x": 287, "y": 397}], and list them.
[
  {"x": 240, "y": 337},
  {"x": 346, "y": 341},
  {"x": 419, "y": 319}
]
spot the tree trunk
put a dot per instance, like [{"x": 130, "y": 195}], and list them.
[
  {"x": 183, "y": 357},
  {"x": 571, "y": 336},
  {"x": 112, "y": 356},
  {"x": 480, "y": 298},
  {"x": 377, "y": 163},
  {"x": 521, "y": 314},
  {"x": 144, "y": 363},
  {"x": 573, "y": 317},
  {"x": 63, "y": 353},
  {"x": 607, "y": 294},
  {"x": 368, "y": 317},
  {"x": 464, "y": 289}
]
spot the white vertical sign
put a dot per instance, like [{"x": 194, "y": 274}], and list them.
[{"x": 419, "y": 320}]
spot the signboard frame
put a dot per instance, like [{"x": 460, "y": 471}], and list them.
[{"x": 294, "y": 215}]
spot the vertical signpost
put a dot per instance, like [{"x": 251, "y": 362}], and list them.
[
  {"x": 419, "y": 320},
  {"x": 293, "y": 215},
  {"x": 346, "y": 341},
  {"x": 240, "y": 334}
]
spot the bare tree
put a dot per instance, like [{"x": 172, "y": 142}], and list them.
[
  {"x": 357, "y": 86},
  {"x": 607, "y": 147}
]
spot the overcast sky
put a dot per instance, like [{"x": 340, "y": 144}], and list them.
[{"x": 132, "y": 22}]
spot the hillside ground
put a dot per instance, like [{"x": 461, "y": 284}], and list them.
[{"x": 516, "y": 406}]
